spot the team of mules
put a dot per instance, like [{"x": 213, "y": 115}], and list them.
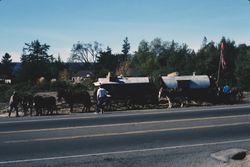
[{"x": 40, "y": 104}]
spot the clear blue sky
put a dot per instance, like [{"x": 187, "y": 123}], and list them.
[{"x": 61, "y": 23}]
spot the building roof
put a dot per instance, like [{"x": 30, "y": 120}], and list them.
[{"x": 83, "y": 73}]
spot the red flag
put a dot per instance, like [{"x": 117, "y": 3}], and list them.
[
  {"x": 222, "y": 58},
  {"x": 222, "y": 46}
]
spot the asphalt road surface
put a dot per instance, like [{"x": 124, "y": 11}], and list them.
[{"x": 176, "y": 138}]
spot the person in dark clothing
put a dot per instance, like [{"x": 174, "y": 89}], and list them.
[{"x": 13, "y": 103}]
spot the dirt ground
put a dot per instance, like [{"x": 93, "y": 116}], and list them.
[
  {"x": 238, "y": 163},
  {"x": 246, "y": 97}
]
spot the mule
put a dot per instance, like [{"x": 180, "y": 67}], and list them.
[
  {"x": 44, "y": 103},
  {"x": 75, "y": 97}
]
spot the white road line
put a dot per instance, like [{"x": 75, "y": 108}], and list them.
[
  {"x": 123, "y": 124},
  {"x": 120, "y": 114},
  {"x": 123, "y": 133},
  {"x": 124, "y": 152}
]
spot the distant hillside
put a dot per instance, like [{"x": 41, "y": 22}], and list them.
[{"x": 73, "y": 67}]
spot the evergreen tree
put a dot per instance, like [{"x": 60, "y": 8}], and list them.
[
  {"x": 6, "y": 66},
  {"x": 242, "y": 70},
  {"x": 107, "y": 62},
  {"x": 125, "y": 49},
  {"x": 207, "y": 59},
  {"x": 35, "y": 62}
]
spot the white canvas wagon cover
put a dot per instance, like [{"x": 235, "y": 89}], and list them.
[
  {"x": 193, "y": 81},
  {"x": 121, "y": 80}
]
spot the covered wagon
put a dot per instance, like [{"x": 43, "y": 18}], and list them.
[
  {"x": 129, "y": 91},
  {"x": 187, "y": 89}
]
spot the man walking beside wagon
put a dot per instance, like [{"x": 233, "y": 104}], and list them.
[
  {"x": 101, "y": 96},
  {"x": 13, "y": 103}
]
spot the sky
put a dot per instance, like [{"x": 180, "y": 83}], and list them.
[{"x": 62, "y": 23}]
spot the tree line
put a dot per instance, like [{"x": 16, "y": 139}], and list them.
[{"x": 152, "y": 58}]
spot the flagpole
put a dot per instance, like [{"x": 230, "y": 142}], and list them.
[
  {"x": 221, "y": 62},
  {"x": 218, "y": 75}
]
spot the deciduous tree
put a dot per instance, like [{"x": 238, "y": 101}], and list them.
[{"x": 85, "y": 52}]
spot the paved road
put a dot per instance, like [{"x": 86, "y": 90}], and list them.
[{"x": 179, "y": 137}]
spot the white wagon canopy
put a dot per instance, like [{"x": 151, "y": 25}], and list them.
[{"x": 191, "y": 82}]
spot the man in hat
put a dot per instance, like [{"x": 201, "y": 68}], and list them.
[{"x": 101, "y": 96}]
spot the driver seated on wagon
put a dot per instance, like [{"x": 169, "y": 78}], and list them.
[{"x": 226, "y": 89}]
